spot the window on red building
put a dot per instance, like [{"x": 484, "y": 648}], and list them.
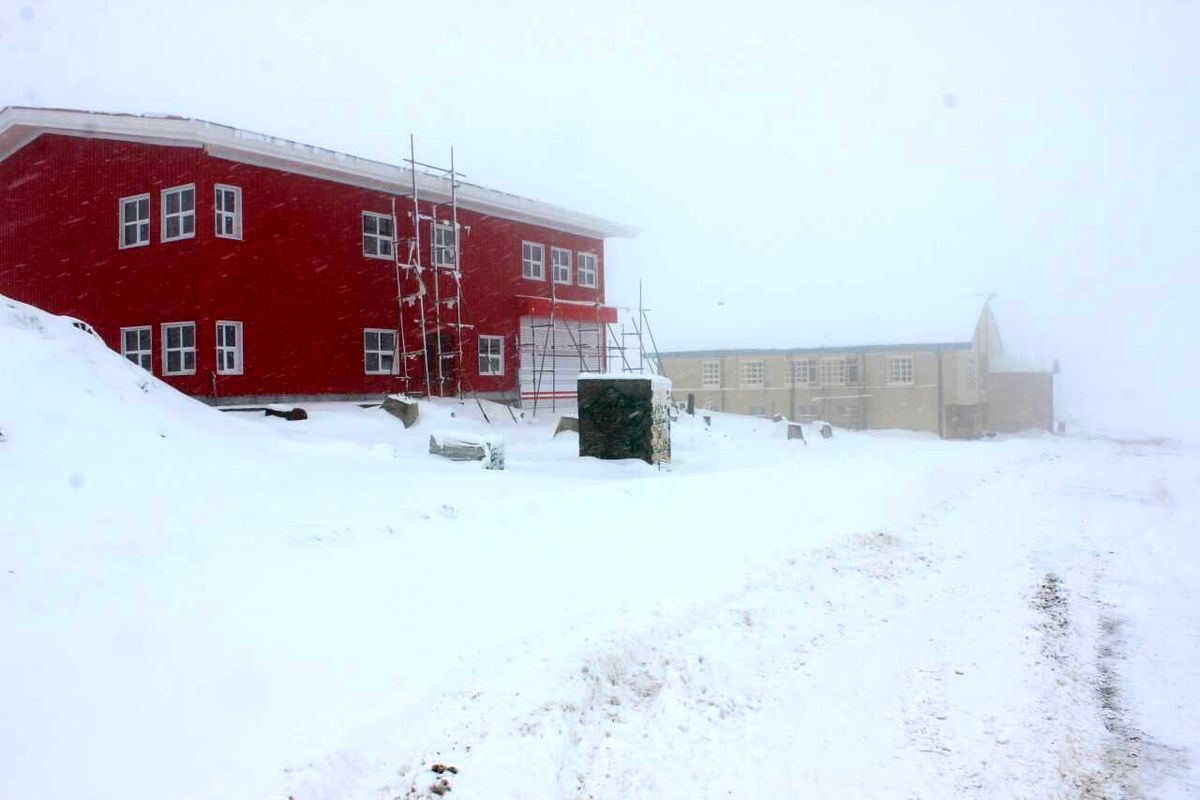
[
  {"x": 379, "y": 235},
  {"x": 179, "y": 213}
]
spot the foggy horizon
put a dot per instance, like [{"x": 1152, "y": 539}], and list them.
[{"x": 791, "y": 168}]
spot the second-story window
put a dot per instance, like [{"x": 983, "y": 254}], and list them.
[
  {"x": 754, "y": 372},
  {"x": 378, "y": 235},
  {"x": 798, "y": 372},
  {"x": 444, "y": 250},
  {"x": 833, "y": 372},
  {"x": 135, "y": 220},
  {"x": 533, "y": 261},
  {"x": 560, "y": 260},
  {"x": 586, "y": 264},
  {"x": 228, "y": 203},
  {"x": 900, "y": 370},
  {"x": 852, "y": 369},
  {"x": 179, "y": 213}
]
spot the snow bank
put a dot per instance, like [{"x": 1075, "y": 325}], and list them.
[{"x": 205, "y": 605}]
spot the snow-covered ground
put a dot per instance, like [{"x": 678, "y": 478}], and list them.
[{"x": 196, "y": 604}]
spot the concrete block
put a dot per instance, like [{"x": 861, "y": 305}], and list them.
[
  {"x": 403, "y": 409},
  {"x": 625, "y": 416}
]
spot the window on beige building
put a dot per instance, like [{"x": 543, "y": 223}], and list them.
[
  {"x": 852, "y": 370},
  {"x": 814, "y": 372},
  {"x": 900, "y": 370},
  {"x": 754, "y": 372},
  {"x": 833, "y": 371},
  {"x": 710, "y": 374},
  {"x": 801, "y": 372}
]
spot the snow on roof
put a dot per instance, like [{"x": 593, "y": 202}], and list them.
[
  {"x": 944, "y": 323},
  {"x": 20, "y": 125}
]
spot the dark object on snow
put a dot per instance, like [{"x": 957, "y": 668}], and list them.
[
  {"x": 826, "y": 430},
  {"x": 403, "y": 409},
  {"x": 468, "y": 447},
  {"x": 79, "y": 324},
  {"x": 796, "y": 431},
  {"x": 567, "y": 424},
  {"x": 625, "y": 417},
  {"x": 691, "y": 406},
  {"x": 290, "y": 414},
  {"x": 707, "y": 421},
  {"x": 440, "y": 768}
]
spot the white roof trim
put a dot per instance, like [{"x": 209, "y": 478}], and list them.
[{"x": 19, "y": 126}]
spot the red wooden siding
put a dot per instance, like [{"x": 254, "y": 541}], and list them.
[{"x": 297, "y": 280}]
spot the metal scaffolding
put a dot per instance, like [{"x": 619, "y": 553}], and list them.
[
  {"x": 625, "y": 346},
  {"x": 442, "y": 373}
]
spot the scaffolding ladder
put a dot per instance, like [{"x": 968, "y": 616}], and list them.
[{"x": 436, "y": 287}]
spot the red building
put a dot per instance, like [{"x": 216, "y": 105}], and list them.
[{"x": 241, "y": 268}]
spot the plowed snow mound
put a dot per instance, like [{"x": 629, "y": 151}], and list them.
[{"x": 65, "y": 391}]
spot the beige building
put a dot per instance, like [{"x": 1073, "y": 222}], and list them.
[{"x": 956, "y": 388}]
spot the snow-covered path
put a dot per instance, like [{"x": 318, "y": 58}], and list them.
[{"x": 966, "y": 653}]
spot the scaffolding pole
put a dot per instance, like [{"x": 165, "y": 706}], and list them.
[
  {"x": 458, "y": 343},
  {"x": 435, "y": 257},
  {"x": 399, "y": 296},
  {"x": 416, "y": 266}
]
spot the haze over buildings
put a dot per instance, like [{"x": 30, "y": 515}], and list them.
[{"x": 789, "y": 165}]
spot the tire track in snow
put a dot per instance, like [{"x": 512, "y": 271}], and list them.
[{"x": 654, "y": 686}]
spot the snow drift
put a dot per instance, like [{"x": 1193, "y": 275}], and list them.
[{"x": 199, "y": 604}]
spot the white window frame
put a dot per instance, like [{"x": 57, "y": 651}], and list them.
[
  {"x": 494, "y": 353},
  {"x": 221, "y": 214},
  {"x": 443, "y": 255},
  {"x": 589, "y": 275},
  {"x": 137, "y": 221},
  {"x": 182, "y": 349},
  {"x": 181, "y": 214},
  {"x": 856, "y": 362},
  {"x": 564, "y": 267},
  {"x": 809, "y": 368},
  {"x": 139, "y": 352},
  {"x": 798, "y": 372},
  {"x": 833, "y": 372},
  {"x": 379, "y": 351},
  {"x": 237, "y": 349},
  {"x": 707, "y": 381},
  {"x": 378, "y": 237},
  {"x": 528, "y": 262},
  {"x": 897, "y": 375},
  {"x": 748, "y": 365}
]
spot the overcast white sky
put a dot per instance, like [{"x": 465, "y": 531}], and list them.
[{"x": 791, "y": 165}]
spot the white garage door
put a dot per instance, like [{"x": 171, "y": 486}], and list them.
[{"x": 552, "y": 358}]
